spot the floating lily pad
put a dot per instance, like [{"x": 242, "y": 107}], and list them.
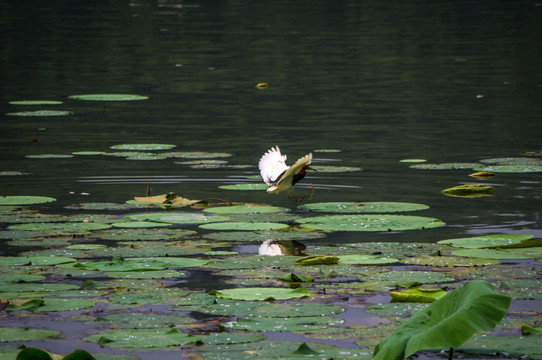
[
  {"x": 148, "y": 338},
  {"x": 449, "y": 261},
  {"x": 245, "y": 209},
  {"x": 317, "y": 260},
  {"x": 487, "y": 241},
  {"x": 262, "y": 294},
  {"x": 54, "y": 304},
  {"x": 482, "y": 174},
  {"x": 140, "y": 224},
  {"x": 142, "y": 147},
  {"x": 365, "y": 260},
  {"x": 109, "y": 97},
  {"x": 179, "y": 217},
  {"x": 244, "y": 186},
  {"x": 197, "y": 154},
  {"x": 35, "y": 102},
  {"x": 369, "y": 222},
  {"x": 509, "y": 346},
  {"x": 513, "y": 161},
  {"x": 68, "y": 226},
  {"x": 18, "y": 277},
  {"x": 445, "y": 166},
  {"x": 118, "y": 264},
  {"x": 248, "y": 226},
  {"x": 363, "y": 207},
  {"x": 420, "y": 295},
  {"x": 174, "y": 262},
  {"x": 153, "y": 274},
  {"x": 469, "y": 191},
  {"x": 34, "y": 260},
  {"x": 87, "y": 153},
  {"x": 23, "y": 287},
  {"x": 510, "y": 168},
  {"x": 12, "y": 173},
  {"x": 406, "y": 279},
  {"x": 143, "y": 321},
  {"x": 26, "y": 334},
  {"x": 25, "y": 200},
  {"x": 27, "y": 306},
  {"x": 413, "y": 160},
  {"x": 159, "y": 234},
  {"x": 41, "y": 113},
  {"x": 491, "y": 254},
  {"x": 103, "y": 206},
  {"x": 271, "y": 324},
  {"x": 264, "y": 235},
  {"x": 334, "y": 169},
  {"x": 49, "y": 156}
]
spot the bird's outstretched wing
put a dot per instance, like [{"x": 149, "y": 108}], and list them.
[
  {"x": 272, "y": 165},
  {"x": 295, "y": 168}
]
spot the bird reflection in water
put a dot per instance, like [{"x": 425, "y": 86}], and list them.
[{"x": 281, "y": 247}]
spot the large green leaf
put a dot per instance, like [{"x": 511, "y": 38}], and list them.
[
  {"x": 369, "y": 222},
  {"x": 262, "y": 294},
  {"x": 363, "y": 207},
  {"x": 487, "y": 241},
  {"x": 446, "y": 323}
]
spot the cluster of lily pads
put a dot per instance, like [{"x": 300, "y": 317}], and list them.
[{"x": 130, "y": 279}]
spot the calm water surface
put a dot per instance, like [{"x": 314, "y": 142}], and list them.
[{"x": 454, "y": 81}]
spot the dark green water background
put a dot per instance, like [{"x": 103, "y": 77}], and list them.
[{"x": 379, "y": 80}]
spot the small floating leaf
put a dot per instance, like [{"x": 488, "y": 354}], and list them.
[
  {"x": 35, "y": 102},
  {"x": 469, "y": 191},
  {"x": 249, "y": 226},
  {"x": 271, "y": 324},
  {"x": 482, "y": 174},
  {"x": 245, "y": 186},
  {"x": 79, "y": 226},
  {"x": 140, "y": 224},
  {"x": 412, "y": 160},
  {"x": 49, "y": 156},
  {"x": 25, "y": 200},
  {"x": 449, "y": 261},
  {"x": 27, "y": 306},
  {"x": 143, "y": 147},
  {"x": 25, "y": 334},
  {"x": 109, "y": 97},
  {"x": 262, "y": 294},
  {"x": 365, "y": 260},
  {"x": 87, "y": 153},
  {"x": 491, "y": 254},
  {"x": 146, "y": 338},
  {"x": 445, "y": 166},
  {"x": 317, "y": 260},
  {"x": 417, "y": 295}
]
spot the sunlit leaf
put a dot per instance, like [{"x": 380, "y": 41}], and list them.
[
  {"x": 108, "y": 97},
  {"x": 262, "y": 294},
  {"x": 41, "y": 113},
  {"x": 417, "y": 295},
  {"x": 245, "y": 186},
  {"x": 365, "y": 259},
  {"x": 469, "y": 190},
  {"x": 35, "y": 102}
]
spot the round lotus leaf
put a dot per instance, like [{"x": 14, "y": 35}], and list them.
[
  {"x": 87, "y": 153},
  {"x": 262, "y": 293},
  {"x": 68, "y": 226},
  {"x": 445, "y": 166},
  {"x": 513, "y": 161},
  {"x": 35, "y": 260},
  {"x": 230, "y": 338},
  {"x": 175, "y": 262},
  {"x": 245, "y": 186},
  {"x": 510, "y": 168},
  {"x": 49, "y": 156},
  {"x": 146, "y": 338},
  {"x": 19, "y": 277},
  {"x": 178, "y": 217},
  {"x": 143, "y": 321},
  {"x": 365, "y": 260},
  {"x": 160, "y": 234},
  {"x": 102, "y": 206},
  {"x": 142, "y": 147},
  {"x": 117, "y": 264},
  {"x": 248, "y": 226},
  {"x": 54, "y": 304},
  {"x": 140, "y": 224},
  {"x": 362, "y": 207},
  {"x": 154, "y": 274},
  {"x": 487, "y": 241},
  {"x": 36, "y": 287},
  {"x": 41, "y": 113},
  {"x": 109, "y": 97},
  {"x": 269, "y": 309},
  {"x": 260, "y": 236},
  {"x": 245, "y": 209},
  {"x": 396, "y": 309},
  {"x": 469, "y": 190},
  {"x": 271, "y": 324},
  {"x": 448, "y": 261},
  {"x": 35, "y": 102},
  {"x": 25, "y": 200},
  {"x": 407, "y": 279},
  {"x": 334, "y": 169},
  {"x": 369, "y": 222},
  {"x": 526, "y": 253},
  {"x": 135, "y": 298}
]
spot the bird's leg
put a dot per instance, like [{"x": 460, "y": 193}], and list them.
[{"x": 299, "y": 198}]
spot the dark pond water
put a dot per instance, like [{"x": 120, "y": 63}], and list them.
[{"x": 381, "y": 81}]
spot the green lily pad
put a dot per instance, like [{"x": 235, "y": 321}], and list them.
[
  {"x": 34, "y": 260},
  {"x": 245, "y": 209},
  {"x": 178, "y": 217},
  {"x": 513, "y": 161},
  {"x": 140, "y": 224},
  {"x": 143, "y": 321},
  {"x": 510, "y": 346},
  {"x": 160, "y": 234},
  {"x": 362, "y": 207},
  {"x": 118, "y": 264},
  {"x": 49, "y": 156},
  {"x": 35, "y": 102},
  {"x": 413, "y": 160},
  {"x": 262, "y": 294},
  {"x": 417, "y": 295},
  {"x": 27, "y": 306},
  {"x": 36, "y": 287},
  {"x": 365, "y": 260},
  {"x": 103, "y": 206},
  {"x": 54, "y": 304},
  {"x": 487, "y": 241},
  {"x": 449, "y": 261},
  {"x": 248, "y": 226},
  {"x": 492, "y": 254},
  {"x": 272, "y": 324},
  {"x": 68, "y": 226},
  {"x": 469, "y": 191},
  {"x": 446, "y": 166},
  {"x": 406, "y": 279},
  {"x": 334, "y": 169},
  {"x": 264, "y": 235},
  {"x": 197, "y": 154},
  {"x": 142, "y": 147},
  {"x": 153, "y": 274},
  {"x": 244, "y": 186},
  {"x": 41, "y": 113},
  {"x": 108, "y": 97},
  {"x": 369, "y": 222},
  {"x": 317, "y": 260},
  {"x": 510, "y": 168},
  {"x": 147, "y": 338},
  {"x": 293, "y": 277},
  {"x": 25, "y": 200},
  {"x": 87, "y": 153},
  {"x": 252, "y": 262},
  {"x": 26, "y": 334},
  {"x": 11, "y": 278},
  {"x": 459, "y": 315}
]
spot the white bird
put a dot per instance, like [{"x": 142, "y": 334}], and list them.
[{"x": 279, "y": 176}]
